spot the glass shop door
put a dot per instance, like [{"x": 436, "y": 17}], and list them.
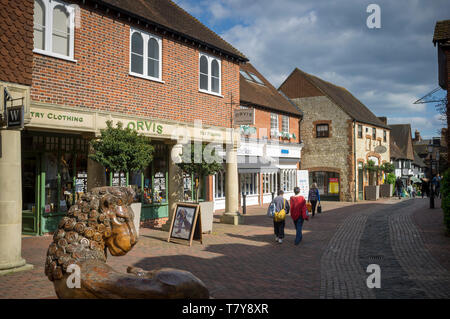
[{"x": 30, "y": 194}]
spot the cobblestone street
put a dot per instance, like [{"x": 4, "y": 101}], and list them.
[{"x": 405, "y": 238}]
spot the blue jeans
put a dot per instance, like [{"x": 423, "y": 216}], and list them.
[{"x": 298, "y": 226}]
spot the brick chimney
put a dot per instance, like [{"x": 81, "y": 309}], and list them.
[
  {"x": 383, "y": 119},
  {"x": 417, "y": 137}
]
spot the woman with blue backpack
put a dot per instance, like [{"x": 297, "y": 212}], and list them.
[{"x": 313, "y": 198}]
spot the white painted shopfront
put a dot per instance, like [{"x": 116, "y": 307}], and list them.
[{"x": 264, "y": 167}]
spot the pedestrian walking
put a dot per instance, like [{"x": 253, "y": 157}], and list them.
[
  {"x": 399, "y": 187},
  {"x": 299, "y": 213},
  {"x": 278, "y": 225},
  {"x": 437, "y": 185},
  {"x": 424, "y": 187},
  {"x": 313, "y": 198}
]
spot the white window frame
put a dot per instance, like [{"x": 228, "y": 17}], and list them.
[
  {"x": 146, "y": 38},
  {"x": 49, "y": 6},
  {"x": 283, "y": 118},
  {"x": 210, "y": 59},
  {"x": 219, "y": 185}
]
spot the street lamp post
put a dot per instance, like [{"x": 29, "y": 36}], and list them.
[{"x": 430, "y": 152}]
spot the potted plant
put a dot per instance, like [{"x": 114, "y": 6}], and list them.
[
  {"x": 372, "y": 191},
  {"x": 386, "y": 189},
  {"x": 195, "y": 163},
  {"x": 122, "y": 150}
]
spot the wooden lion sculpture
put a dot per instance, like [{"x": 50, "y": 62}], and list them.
[{"x": 101, "y": 220}]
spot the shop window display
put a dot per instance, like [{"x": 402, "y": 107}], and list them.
[{"x": 62, "y": 171}]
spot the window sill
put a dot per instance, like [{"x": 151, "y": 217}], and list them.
[
  {"x": 54, "y": 55},
  {"x": 146, "y": 77},
  {"x": 210, "y": 93}
]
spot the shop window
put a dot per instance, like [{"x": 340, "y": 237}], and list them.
[
  {"x": 249, "y": 183},
  {"x": 61, "y": 177},
  {"x": 54, "y": 28},
  {"x": 328, "y": 184},
  {"x": 210, "y": 74},
  {"x": 322, "y": 130},
  {"x": 269, "y": 183},
  {"x": 219, "y": 185},
  {"x": 145, "y": 55}
]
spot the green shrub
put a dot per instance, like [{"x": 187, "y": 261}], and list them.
[
  {"x": 391, "y": 178},
  {"x": 445, "y": 192}
]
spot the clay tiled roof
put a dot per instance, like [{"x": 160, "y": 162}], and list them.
[
  {"x": 265, "y": 95},
  {"x": 339, "y": 95},
  {"x": 418, "y": 160},
  {"x": 442, "y": 32},
  {"x": 401, "y": 136},
  {"x": 168, "y": 15},
  {"x": 396, "y": 153},
  {"x": 16, "y": 41}
]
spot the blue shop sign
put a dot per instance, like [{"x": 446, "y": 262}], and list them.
[{"x": 284, "y": 151}]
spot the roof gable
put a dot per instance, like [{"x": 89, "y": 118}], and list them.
[
  {"x": 401, "y": 136},
  {"x": 339, "y": 95},
  {"x": 265, "y": 95}
]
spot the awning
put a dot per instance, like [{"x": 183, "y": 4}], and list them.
[
  {"x": 415, "y": 180},
  {"x": 286, "y": 166}
]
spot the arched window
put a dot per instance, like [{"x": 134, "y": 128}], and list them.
[
  {"x": 215, "y": 76},
  {"x": 137, "y": 53},
  {"x": 153, "y": 58},
  {"x": 204, "y": 73},
  {"x": 61, "y": 31},
  {"x": 209, "y": 74},
  {"x": 39, "y": 25},
  {"x": 145, "y": 55}
]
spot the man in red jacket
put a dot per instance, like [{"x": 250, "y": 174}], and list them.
[{"x": 299, "y": 213}]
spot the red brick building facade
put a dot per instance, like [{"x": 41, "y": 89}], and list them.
[{"x": 147, "y": 64}]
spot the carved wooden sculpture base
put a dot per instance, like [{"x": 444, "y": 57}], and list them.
[{"x": 103, "y": 220}]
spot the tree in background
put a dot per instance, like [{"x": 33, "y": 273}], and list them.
[
  {"x": 200, "y": 160},
  {"x": 121, "y": 149}
]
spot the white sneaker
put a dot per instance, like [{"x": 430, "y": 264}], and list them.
[
  {"x": 280, "y": 240},
  {"x": 276, "y": 238}
]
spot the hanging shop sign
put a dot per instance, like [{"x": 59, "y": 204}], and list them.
[
  {"x": 15, "y": 117},
  {"x": 380, "y": 149},
  {"x": 244, "y": 116}
]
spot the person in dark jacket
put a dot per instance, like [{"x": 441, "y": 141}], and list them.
[
  {"x": 399, "y": 187},
  {"x": 278, "y": 227},
  {"x": 424, "y": 188},
  {"x": 313, "y": 198},
  {"x": 298, "y": 213}
]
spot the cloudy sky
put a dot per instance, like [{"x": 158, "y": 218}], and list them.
[{"x": 387, "y": 68}]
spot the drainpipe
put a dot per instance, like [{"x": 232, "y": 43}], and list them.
[{"x": 354, "y": 157}]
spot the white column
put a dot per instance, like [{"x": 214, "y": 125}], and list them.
[
  {"x": 11, "y": 204},
  {"x": 231, "y": 215},
  {"x": 176, "y": 187}
]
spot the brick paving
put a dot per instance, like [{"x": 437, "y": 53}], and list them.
[{"x": 245, "y": 262}]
